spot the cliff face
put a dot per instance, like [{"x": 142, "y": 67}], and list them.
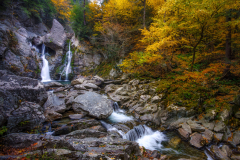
[{"x": 21, "y": 39}]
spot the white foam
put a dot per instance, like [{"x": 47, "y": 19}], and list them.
[{"x": 117, "y": 117}]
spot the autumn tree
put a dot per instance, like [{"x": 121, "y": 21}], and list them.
[{"x": 63, "y": 8}]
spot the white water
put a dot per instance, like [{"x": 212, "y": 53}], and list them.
[
  {"x": 118, "y": 115},
  {"x": 45, "y": 69},
  {"x": 69, "y": 56},
  {"x": 208, "y": 156}
]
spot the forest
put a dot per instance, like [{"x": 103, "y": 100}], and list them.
[{"x": 187, "y": 50}]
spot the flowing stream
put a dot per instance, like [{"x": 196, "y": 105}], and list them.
[
  {"x": 45, "y": 69},
  {"x": 150, "y": 139}
]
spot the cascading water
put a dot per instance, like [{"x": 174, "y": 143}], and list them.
[
  {"x": 148, "y": 138},
  {"x": 45, "y": 69},
  {"x": 118, "y": 115},
  {"x": 69, "y": 56}
]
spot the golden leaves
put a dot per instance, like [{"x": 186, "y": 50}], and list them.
[{"x": 63, "y": 8}]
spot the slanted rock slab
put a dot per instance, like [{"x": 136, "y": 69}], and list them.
[
  {"x": 93, "y": 104},
  {"x": 197, "y": 140}
]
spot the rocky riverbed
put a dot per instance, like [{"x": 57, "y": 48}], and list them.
[{"x": 82, "y": 120}]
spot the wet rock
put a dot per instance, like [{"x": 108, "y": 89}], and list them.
[
  {"x": 75, "y": 116},
  {"x": 208, "y": 136},
  {"x": 195, "y": 127},
  {"x": 155, "y": 154},
  {"x": 27, "y": 116},
  {"x": 60, "y": 95},
  {"x": 174, "y": 142},
  {"x": 90, "y": 86},
  {"x": 56, "y": 38},
  {"x": 113, "y": 73},
  {"x": 236, "y": 138},
  {"x": 175, "y": 124},
  {"x": 52, "y": 115},
  {"x": 84, "y": 123},
  {"x": 84, "y": 133},
  {"x": 160, "y": 117},
  {"x": 20, "y": 140},
  {"x": 122, "y": 127},
  {"x": 73, "y": 94},
  {"x": 218, "y": 137},
  {"x": 210, "y": 115},
  {"x": 156, "y": 99},
  {"x": 53, "y": 84},
  {"x": 146, "y": 117},
  {"x": 144, "y": 98},
  {"x": 183, "y": 133},
  {"x": 220, "y": 127},
  {"x": 210, "y": 126},
  {"x": 175, "y": 111},
  {"x": 187, "y": 128},
  {"x": 134, "y": 82},
  {"x": 235, "y": 157},
  {"x": 54, "y": 103},
  {"x": 197, "y": 140},
  {"x": 148, "y": 108},
  {"x": 37, "y": 40},
  {"x": 77, "y": 81},
  {"x": 94, "y": 104},
  {"x": 79, "y": 87},
  {"x": 98, "y": 78},
  {"x": 60, "y": 89},
  {"x": 63, "y": 130},
  {"x": 226, "y": 150},
  {"x": 23, "y": 87},
  {"x": 110, "y": 88},
  {"x": 218, "y": 153},
  {"x": 224, "y": 115}
]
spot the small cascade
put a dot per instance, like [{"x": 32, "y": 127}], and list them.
[
  {"x": 110, "y": 128},
  {"x": 45, "y": 69},
  {"x": 69, "y": 56},
  {"x": 118, "y": 115}
]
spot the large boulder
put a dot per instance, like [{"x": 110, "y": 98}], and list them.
[
  {"x": 54, "y": 103},
  {"x": 56, "y": 38},
  {"x": 26, "y": 117},
  {"x": 23, "y": 88},
  {"x": 16, "y": 95},
  {"x": 93, "y": 104}
]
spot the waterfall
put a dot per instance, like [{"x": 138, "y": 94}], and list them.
[
  {"x": 45, "y": 69},
  {"x": 69, "y": 56}
]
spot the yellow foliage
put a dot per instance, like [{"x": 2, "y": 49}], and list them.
[{"x": 63, "y": 8}]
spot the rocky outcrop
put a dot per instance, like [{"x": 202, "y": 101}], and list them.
[
  {"x": 19, "y": 96},
  {"x": 93, "y": 104},
  {"x": 56, "y": 38}
]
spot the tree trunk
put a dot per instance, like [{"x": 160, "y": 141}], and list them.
[
  {"x": 228, "y": 49},
  {"x": 144, "y": 14},
  {"x": 195, "y": 47},
  {"x": 84, "y": 14}
]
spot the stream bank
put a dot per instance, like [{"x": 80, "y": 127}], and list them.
[{"x": 72, "y": 130}]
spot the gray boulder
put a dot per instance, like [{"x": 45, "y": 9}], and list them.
[
  {"x": 27, "y": 116},
  {"x": 23, "y": 87},
  {"x": 218, "y": 153},
  {"x": 56, "y": 38},
  {"x": 93, "y": 104},
  {"x": 197, "y": 140},
  {"x": 54, "y": 103}
]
